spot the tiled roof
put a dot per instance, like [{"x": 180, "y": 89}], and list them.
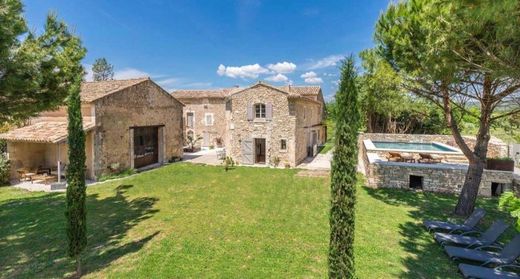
[
  {"x": 224, "y": 92},
  {"x": 302, "y": 90},
  {"x": 42, "y": 132},
  {"x": 91, "y": 91},
  {"x": 204, "y": 93}
]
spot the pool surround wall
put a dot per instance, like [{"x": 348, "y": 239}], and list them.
[{"x": 444, "y": 177}]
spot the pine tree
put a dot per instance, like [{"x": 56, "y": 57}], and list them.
[
  {"x": 343, "y": 175},
  {"x": 102, "y": 70},
  {"x": 76, "y": 189}
]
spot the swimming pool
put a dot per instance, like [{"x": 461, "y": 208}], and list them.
[
  {"x": 425, "y": 147},
  {"x": 411, "y": 146}
]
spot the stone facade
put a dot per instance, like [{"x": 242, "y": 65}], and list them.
[
  {"x": 213, "y": 133},
  {"x": 144, "y": 104},
  {"x": 295, "y": 123},
  {"x": 111, "y": 111}
]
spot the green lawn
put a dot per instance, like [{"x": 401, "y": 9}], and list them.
[{"x": 198, "y": 221}]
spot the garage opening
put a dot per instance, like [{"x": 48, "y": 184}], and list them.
[
  {"x": 146, "y": 146},
  {"x": 416, "y": 182}
]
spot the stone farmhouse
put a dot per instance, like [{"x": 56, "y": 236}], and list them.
[
  {"x": 128, "y": 123},
  {"x": 259, "y": 124}
]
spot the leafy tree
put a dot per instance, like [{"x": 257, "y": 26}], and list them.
[
  {"x": 343, "y": 175},
  {"x": 457, "y": 54},
  {"x": 35, "y": 70},
  {"x": 76, "y": 189},
  {"x": 102, "y": 70}
]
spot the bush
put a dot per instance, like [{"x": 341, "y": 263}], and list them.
[
  {"x": 510, "y": 203},
  {"x": 229, "y": 163},
  {"x": 4, "y": 170},
  {"x": 276, "y": 161}
]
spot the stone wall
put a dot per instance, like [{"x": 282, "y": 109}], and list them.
[
  {"x": 282, "y": 125},
  {"x": 496, "y": 148},
  {"x": 309, "y": 116},
  {"x": 199, "y": 107},
  {"x": 145, "y": 104},
  {"x": 436, "y": 178}
]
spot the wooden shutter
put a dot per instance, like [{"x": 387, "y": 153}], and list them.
[
  {"x": 247, "y": 152},
  {"x": 269, "y": 111},
  {"x": 249, "y": 112}
]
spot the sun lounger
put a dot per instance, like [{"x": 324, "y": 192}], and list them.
[
  {"x": 394, "y": 157},
  {"x": 469, "y": 224},
  {"x": 472, "y": 271},
  {"x": 429, "y": 158},
  {"x": 505, "y": 256},
  {"x": 489, "y": 237}
]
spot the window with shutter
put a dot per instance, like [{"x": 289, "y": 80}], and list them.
[
  {"x": 208, "y": 119},
  {"x": 190, "y": 119}
]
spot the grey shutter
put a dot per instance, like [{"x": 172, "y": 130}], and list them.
[
  {"x": 269, "y": 111},
  {"x": 249, "y": 112},
  {"x": 247, "y": 152}
]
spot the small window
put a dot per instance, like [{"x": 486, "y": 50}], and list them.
[
  {"x": 283, "y": 144},
  {"x": 229, "y": 106},
  {"x": 260, "y": 111},
  {"x": 208, "y": 119},
  {"x": 190, "y": 119},
  {"x": 190, "y": 134}
]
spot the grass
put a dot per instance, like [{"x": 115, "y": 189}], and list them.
[{"x": 196, "y": 221}]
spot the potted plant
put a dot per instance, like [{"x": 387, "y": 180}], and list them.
[
  {"x": 501, "y": 164},
  {"x": 191, "y": 140}
]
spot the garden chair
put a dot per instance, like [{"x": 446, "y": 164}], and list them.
[
  {"x": 472, "y": 271},
  {"x": 429, "y": 158},
  {"x": 394, "y": 157},
  {"x": 504, "y": 256},
  {"x": 469, "y": 224},
  {"x": 488, "y": 237}
]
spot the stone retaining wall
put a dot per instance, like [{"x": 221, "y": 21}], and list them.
[{"x": 443, "y": 178}]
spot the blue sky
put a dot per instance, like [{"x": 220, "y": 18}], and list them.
[{"x": 213, "y": 44}]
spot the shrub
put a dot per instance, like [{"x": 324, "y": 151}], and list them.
[
  {"x": 276, "y": 161},
  {"x": 510, "y": 203},
  {"x": 229, "y": 163},
  {"x": 4, "y": 170}
]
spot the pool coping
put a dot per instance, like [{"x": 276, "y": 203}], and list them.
[{"x": 369, "y": 145}]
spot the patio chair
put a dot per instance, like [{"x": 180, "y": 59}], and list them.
[
  {"x": 429, "y": 158},
  {"x": 488, "y": 237},
  {"x": 504, "y": 256},
  {"x": 394, "y": 157},
  {"x": 473, "y": 271},
  {"x": 469, "y": 224}
]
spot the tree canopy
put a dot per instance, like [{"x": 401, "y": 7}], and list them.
[
  {"x": 35, "y": 71},
  {"x": 102, "y": 70},
  {"x": 457, "y": 54}
]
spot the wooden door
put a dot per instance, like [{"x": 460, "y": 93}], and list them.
[
  {"x": 247, "y": 152},
  {"x": 146, "y": 146}
]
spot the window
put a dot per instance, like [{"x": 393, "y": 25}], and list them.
[
  {"x": 190, "y": 119},
  {"x": 229, "y": 106},
  {"x": 190, "y": 135},
  {"x": 208, "y": 117},
  {"x": 260, "y": 111},
  {"x": 283, "y": 144}
]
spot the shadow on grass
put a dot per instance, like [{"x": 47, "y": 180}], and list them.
[
  {"x": 33, "y": 240},
  {"x": 428, "y": 260}
]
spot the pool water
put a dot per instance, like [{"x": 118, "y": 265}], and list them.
[{"x": 411, "y": 146}]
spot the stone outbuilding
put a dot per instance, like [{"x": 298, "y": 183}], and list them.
[
  {"x": 128, "y": 123},
  {"x": 260, "y": 124}
]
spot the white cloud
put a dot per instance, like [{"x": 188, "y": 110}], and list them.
[
  {"x": 169, "y": 82},
  {"x": 331, "y": 60},
  {"x": 128, "y": 73},
  {"x": 89, "y": 75},
  {"x": 282, "y": 67},
  {"x": 246, "y": 71},
  {"x": 277, "y": 78},
  {"x": 311, "y": 77}
]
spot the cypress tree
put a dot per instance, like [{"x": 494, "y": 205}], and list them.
[
  {"x": 343, "y": 175},
  {"x": 76, "y": 194}
]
